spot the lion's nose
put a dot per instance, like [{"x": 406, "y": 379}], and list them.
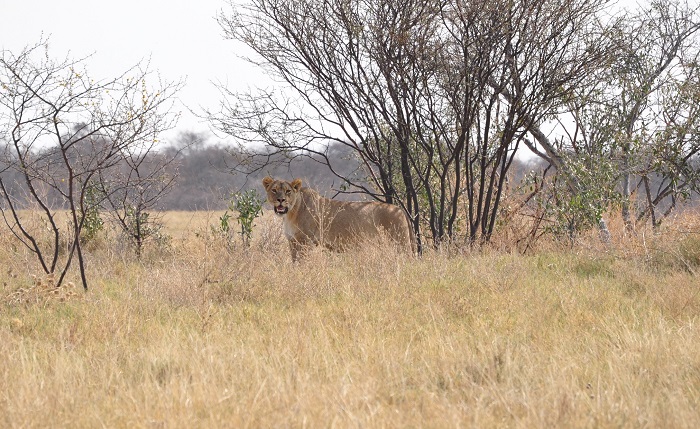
[{"x": 280, "y": 200}]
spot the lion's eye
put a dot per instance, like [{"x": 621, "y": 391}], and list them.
[
  {"x": 274, "y": 190},
  {"x": 287, "y": 192}
]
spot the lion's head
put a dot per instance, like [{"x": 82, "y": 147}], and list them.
[{"x": 281, "y": 194}]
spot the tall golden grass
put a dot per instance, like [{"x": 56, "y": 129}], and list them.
[{"x": 203, "y": 332}]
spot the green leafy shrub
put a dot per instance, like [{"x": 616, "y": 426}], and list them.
[
  {"x": 248, "y": 205},
  {"x": 92, "y": 223}
]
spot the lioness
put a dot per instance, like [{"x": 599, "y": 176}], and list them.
[{"x": 310, "y": 219}]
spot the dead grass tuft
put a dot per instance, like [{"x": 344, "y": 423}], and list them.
[{"x": 43, "y": 292}]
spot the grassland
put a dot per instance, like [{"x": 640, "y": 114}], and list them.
[{"x": 203, "y": 332}]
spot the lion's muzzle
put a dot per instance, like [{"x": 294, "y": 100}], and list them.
[{"x": 280, "y": 210}]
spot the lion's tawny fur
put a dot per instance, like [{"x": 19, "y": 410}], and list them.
[{"x": 310, "y": 219}]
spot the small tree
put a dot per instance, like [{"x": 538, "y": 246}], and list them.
[
  {"x": 133, "y": 189},
  {"x": 639, "y": 115},
  {"x": 64, "y": 130},
  {"x": 569, "y": 211},
  {"x": 140, "y": 226}
]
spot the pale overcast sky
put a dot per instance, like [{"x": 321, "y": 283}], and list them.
[{"x": 181, "y": 38}]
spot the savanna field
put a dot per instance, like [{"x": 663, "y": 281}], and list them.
[{"x": 204, "y": 332}]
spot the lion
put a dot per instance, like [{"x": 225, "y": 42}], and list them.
[{"x": 310, "y": 219}]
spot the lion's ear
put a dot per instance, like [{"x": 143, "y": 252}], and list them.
[
  {"x": 267, "y": 181},
  {"x": 296, "y": 184}
]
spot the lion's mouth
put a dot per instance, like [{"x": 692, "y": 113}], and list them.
[{"x": 280, "y": 210}]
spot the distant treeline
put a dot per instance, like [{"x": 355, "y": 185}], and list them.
[{"x": 209, "y": 173}]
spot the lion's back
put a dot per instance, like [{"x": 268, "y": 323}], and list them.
[{"x": 368, "y": 220}]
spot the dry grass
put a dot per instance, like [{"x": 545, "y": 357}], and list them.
[{"x": 209, "y": 334}]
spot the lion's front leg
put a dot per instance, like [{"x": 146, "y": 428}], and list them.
[{"x": 296, "y": 248}]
